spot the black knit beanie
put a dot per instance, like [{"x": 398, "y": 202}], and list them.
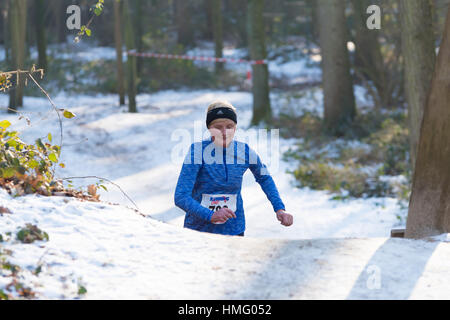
[{"x": 218, "y": 113}]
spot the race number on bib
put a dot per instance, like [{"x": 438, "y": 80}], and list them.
[{"x": 218, "y": 201}]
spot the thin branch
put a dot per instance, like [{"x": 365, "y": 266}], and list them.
[
  {"x": 56, "y": 110},
  {"x": 68, "y": 178}
]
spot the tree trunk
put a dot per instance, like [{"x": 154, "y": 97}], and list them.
[
  {"x": 238, "y": 10},
  {"x": 209, "y": 20},
  {"x": 368, "y": 56},
  {"x": 339, "y": 100},
  {"x": 131, "y": 60},
  {"x": 429, "y": 206},
  {"x": 18, "y": 23},
  {"x": 138, "y": 11},
  {"x": 218, "y": 33},
  {"x": 182, "y": 16},
  {"x": 314, "y": 24},
  {"x": 420, "y": 58},
  {"x": 41, "y": 40},
  {"x": 368, "y": 61},
  {"x": 261, "y": 102},
  {"x": 59, "y": 13},
  {"x": 6, "y": 36},
  {"x": 118, "y": 8}
]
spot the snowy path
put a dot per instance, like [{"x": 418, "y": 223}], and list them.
[
  {"x": 134, "y": 151},
  {"x": 334, "y": 250},
  {"x": 116, "y": 253}
]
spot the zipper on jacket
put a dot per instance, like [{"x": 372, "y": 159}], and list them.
[{"x": 225, "y": 164}]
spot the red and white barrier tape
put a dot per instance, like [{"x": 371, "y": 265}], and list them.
[
  {"x": 185, "y": 57},
  {"x": 200, "y": 58}
]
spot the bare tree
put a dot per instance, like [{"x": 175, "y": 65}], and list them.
[
  {"x": 216, "y": 8},
  {"x": 118, "y": 8},
  {"x": 18, "y": 23},
  {"x": 6, "y": 37},
  {"x": 184, "y": 29},
  {"x": 419, "y": 54},
  {"x": 131, "y": 60},
  {"x": 261, "y": 101},
  {"x": 429, "y": 206},
  {"x": 41, "y": 38},
  {"x": 339, "y": 100}
]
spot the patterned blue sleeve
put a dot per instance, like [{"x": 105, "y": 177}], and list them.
[
  {"x": 263, "y": 177},
  {"x": 185, "y": 185}
]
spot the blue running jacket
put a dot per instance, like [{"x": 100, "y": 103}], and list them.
[{"x": 209, "y": 169}]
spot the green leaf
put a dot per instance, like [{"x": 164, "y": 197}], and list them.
[
  {"x": 103, "y": 187},
  {"x": 88, "y": 32},
  {"x": 49, "y": 137},
  {"x": 8, "y": 172},
  {"x": 11, "y": 143},
  {"x": 97, "y": 11},
  {"x": 38, "y": 270},
  {"x": 40, "y": 144},
  {"x": 12, "y": 133},
  {"x": 52, "y": 157},
  {"x": 3, "y": 296},
  {"x": 33, "y": 163},
  {"x": 67, "y": 114},
  {"x": 19, "y": 147},
  {"x": 5, "y": 124},
  {"x": 57, "y": 149},
  {"x": 81, "y": 290}
]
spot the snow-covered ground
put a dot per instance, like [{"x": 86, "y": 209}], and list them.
[
  {"x": 334, "y": 249},
  {"x": 138, "y": 152},
  {"x": 115, "y": 253}
]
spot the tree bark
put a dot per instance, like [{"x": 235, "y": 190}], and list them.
[
  {"x": 209, "y": 20},
  {"x": 18, "y": 23},
  {"x": 238, "y": 9},
  {"x": 138, "y": 11},
  {"x": 429, "y": 206},
  {"x": 339, "y": 100},
  {"x": 419, "y": 54},
  {"x": 182, "y": 16},
  {"x": 6, "y": 36},
  {"x": 41, "y": 39},
  {"x": 118, "y": 8},
  {"x": 59, "y": 13},
  {"x": 368, "y": 56},
  {"x": 218, "y": 33},
  {"x": 314, "y": 19},
  {"x": 131, "y": 60},
  {"x": 262, "y": 111}
]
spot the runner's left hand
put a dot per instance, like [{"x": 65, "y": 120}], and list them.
[{"x": 285, "y": 218}]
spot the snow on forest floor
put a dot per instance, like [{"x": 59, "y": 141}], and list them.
[
  {"x": 136, "y": 152},
  {"x": 114, "y": 253},
  {"x": 334, "y": 249}
]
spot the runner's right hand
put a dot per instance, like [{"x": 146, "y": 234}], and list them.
[{"x": 222, "y": 215}]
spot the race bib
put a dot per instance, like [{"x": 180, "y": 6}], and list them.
[{"x": 218, "y": 201}]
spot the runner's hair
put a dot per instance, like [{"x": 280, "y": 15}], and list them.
[{"x": 220, "y": 104}]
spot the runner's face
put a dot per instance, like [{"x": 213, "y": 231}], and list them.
[{"x": 222, "y": 131}]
